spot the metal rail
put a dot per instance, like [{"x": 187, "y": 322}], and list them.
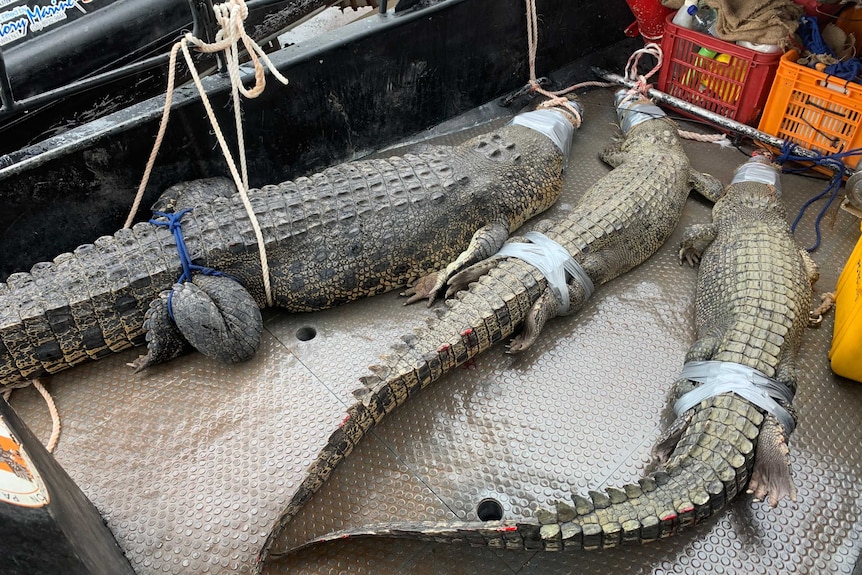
[{"x": 714, "y": 118}]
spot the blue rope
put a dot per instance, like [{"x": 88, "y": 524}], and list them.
[
  {"x": 814, "y": 43},
  {"x": 831, "y": 161},
  {"x": 175, "y": 226}
]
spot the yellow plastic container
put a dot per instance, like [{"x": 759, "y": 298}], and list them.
[{"x": 846, "y": 351}]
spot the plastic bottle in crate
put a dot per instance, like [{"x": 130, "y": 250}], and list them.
[
  {"x": 684, "y": 17},
  {"x": 705, "y": 19}
]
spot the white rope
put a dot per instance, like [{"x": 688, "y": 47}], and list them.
[
  {"x": 230, "y": 16},
  {"x": 554, "y": 98},
  {"x": 720, "y": 139},
  {"x": 56, "y": 428}
]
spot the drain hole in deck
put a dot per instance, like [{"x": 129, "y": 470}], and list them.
[
  {"x": 306, "y": 333},
  {"x": 489, "y": 510}
]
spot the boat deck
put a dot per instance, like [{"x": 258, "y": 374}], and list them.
[{"x": 192, "y": 462}]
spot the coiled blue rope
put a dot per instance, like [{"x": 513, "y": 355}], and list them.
[
  {"x": 812, "y": 40},
  {"x": 174, "y": 225},
  {"x": 831, "y": 161}
]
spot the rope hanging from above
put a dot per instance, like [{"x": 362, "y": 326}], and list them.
[{"x": 230, "y": 16}]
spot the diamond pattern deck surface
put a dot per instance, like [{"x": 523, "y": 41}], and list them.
[{"x": 192, "y": 463}]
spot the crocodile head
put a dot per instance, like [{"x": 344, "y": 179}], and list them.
[{"x": 755, "y": 188}]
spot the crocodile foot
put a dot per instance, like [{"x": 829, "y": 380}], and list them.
[
  {"x": 544, "y": 308},
  {"x": 426, "y": 287},
  {"x": 770, "y": 478},
  {"x": 164, "y": 340},
  {"x": 695, "y": 241},
  {"x": 218, "y": 316}
]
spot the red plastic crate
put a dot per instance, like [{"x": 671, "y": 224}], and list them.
[{"x": 734, "y": 84}]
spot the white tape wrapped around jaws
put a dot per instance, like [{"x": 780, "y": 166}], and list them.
[
  {"x": 554, "y": 262},
  {"x": 719, "y": 377}
]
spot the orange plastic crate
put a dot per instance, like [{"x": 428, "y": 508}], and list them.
[
  {"x": 734, "y": 84},
  {"x": 821, "y": 113}
]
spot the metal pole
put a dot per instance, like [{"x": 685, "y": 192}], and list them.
[{"x": 717, "y": 119}]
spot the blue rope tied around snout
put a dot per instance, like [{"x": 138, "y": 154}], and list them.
[
  {"x": 831, "y": 161},
  {"x": 174, "y": 225}
]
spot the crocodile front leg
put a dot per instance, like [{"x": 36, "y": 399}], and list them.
[
  {"x": 164, "y": 340},
  {"x": 485, "y": 242},
  {"x": 695, "y": 241}
]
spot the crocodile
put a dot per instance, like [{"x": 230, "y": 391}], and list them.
[
  {"x": 351, "y": 231},
  {"x": 751, "y": 307},
  {"x": 618, "y": 222}
]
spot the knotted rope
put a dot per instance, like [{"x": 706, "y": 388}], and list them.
[
  {"x": 554, "y": 98},
  {"x": 174, "y": 225},
  {"x": 230, "y": 16}
]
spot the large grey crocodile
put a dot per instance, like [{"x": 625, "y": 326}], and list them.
[
  {"x": 619, "y": 222},
  {"x": 753, "y": 297},
  {"x": 354, "y": 230}
]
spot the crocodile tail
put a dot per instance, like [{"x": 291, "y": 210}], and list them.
[
  {"x": 471, "y": 322},
  {"x": 84, "y": 305},
  {"x": 711, "y": 464}
]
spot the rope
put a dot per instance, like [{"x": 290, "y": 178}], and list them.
[
  {"x": 831, "y": 161},
  {"x": 554, "y": 98},
  {"x": 56, "y": 427},
  {"x": 813, "y": 41},
  {"x": 174, "y": 225},
  {"x": 230, "y": 16},
  {"x": 720, "y": 139}
]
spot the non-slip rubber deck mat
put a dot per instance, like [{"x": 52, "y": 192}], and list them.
[{"x": 192, "y": 463}]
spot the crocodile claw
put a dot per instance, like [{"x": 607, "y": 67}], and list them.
[
  {"x": 770, "y": 479},
  {"x": 164, "y": 340}
]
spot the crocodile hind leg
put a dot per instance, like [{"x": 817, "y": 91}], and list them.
[
  {"x": 701, "y": 350},
  {"x": 771, "y": 478},
  {"x": 485, "y": 243},
  {"x": 218, "y": 317},
  {"x": 462, "y": 280},
  {"x": 669, "y": 438},
  {"x": 544, "y": 308},
  {"x": 164, "y": 340}
]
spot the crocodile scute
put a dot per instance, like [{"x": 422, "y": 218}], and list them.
[{"x": 351, "y": 231}]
